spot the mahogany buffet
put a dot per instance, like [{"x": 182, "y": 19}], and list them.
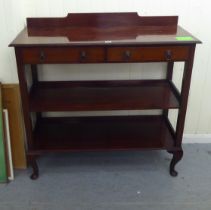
[{"x": 103, "y": 38}]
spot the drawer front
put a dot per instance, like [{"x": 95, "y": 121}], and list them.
[
  {"x": 147, "y": 54},
  {"x": 63, "y": 55}
]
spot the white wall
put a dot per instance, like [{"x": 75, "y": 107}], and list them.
[{"x": 193, "y": 15}]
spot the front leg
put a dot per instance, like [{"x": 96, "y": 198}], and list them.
[
  {"x": 177, "y": 156},
  {"x": 33, "y": 163}
]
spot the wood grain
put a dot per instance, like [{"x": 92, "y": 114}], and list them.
[
  {"x": 97, "y": 28},
  {"x": 12, "y": 102},
  {"x": 155, "y": 40},
  {"x": 102, "y": 95}
]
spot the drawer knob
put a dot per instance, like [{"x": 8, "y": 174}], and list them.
[
  {"x": 82, "y": 55},
  {"x": 127, "y": 55},
  {"x": 168, "y": 55},
  {"x": 42, "y": 56}
]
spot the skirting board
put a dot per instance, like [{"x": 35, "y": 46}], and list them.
[{"x": 197, "y": 138}]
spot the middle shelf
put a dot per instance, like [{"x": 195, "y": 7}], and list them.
[{"x": 103, "y": 95}]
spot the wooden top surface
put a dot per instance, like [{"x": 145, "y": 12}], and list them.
[{"x": 103, "y": 29}]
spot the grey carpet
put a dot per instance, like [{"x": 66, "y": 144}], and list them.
[{"x": 114, "y": 181}]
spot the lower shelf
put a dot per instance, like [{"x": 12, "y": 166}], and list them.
[{"x": 102, "y": 133}]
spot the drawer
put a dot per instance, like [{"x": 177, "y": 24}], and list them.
[
  {"x": 147, "y": 54},
  {"x": 63, "y": 55}
]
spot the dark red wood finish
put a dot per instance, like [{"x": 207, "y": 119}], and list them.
[
  {"x": 104, "y": 26},
  {"x": 51, "y": 55},
  {"x": 102, "y": 95},
  {"x": 103, "y": 38},
  {"x": 111, "y": 133},
  {"x": 102, "y": 29}
]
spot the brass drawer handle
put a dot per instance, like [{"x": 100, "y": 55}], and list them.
[
  {"x": 127, "y": 55},
  {"x": 42, "y": 56},
  {"x": 82, "y": 55},
  {"x": 168, "y": 55}
]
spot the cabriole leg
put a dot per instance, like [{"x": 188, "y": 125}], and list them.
[
  {"x": 177, "y": 156},
  {"x": 33, "y": 163}
]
